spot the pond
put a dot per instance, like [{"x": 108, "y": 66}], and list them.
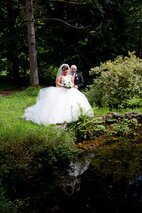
[
  {"x": 106, "y": 176},
  {"x": 107, "y": 179}
]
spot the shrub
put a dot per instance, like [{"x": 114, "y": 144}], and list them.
[{"x": 117, "y": 82}]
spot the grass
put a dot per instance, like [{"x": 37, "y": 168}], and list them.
[
  {"x": 14, "y": 127},
  {"x": 12, "y": 108},
  {"x": 15, "y": 130}
]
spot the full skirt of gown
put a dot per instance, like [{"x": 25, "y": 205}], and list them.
[{"x": 56, "y": 105}]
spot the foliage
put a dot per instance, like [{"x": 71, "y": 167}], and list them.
[
  {"x": 111, "y": 124},
  {"x": 48, "y": 74},
  {"x": 117, "y": 82},
  {"x": 87, "y": 128},
  {"x": 134, "y": 27},
  {"x": 98, "y": 31},
  {"x": 135, "y": 102}
]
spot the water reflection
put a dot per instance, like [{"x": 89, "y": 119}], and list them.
[{"x": 71, "y": 183}]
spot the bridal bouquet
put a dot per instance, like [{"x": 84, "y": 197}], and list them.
[{"x": 68, "y": 83}]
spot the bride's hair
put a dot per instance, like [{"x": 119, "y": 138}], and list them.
[
  {"x": 65, "y": 67},
  {"x": 61, "y": 68}
]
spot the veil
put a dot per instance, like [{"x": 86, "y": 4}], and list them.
[{"x": 60, "y": 70}]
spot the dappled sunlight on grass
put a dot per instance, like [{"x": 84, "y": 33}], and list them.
[
  {"x": 137, "y": 110},
  {"x": 100, "y": 111}
]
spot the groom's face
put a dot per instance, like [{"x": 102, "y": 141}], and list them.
[{"x": 73, "y": 70}]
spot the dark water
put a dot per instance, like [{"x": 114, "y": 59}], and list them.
[
  {"x": 109, "y": 179},
  {"x": 91, "y": 192},
  {"x": 102, "y": 194}
]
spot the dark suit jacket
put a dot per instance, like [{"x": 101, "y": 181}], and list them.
[{"x": 79, "y": 80}]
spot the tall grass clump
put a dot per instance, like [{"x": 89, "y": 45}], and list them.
[{"x": 117, "y": 82}]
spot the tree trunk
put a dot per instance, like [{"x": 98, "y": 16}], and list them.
[{"x": 34, "y": 78}]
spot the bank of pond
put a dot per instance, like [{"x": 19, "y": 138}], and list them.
[{"x": 89, "y": 166}]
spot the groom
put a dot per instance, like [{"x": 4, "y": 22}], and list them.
[{"x": 78, "y": 77}]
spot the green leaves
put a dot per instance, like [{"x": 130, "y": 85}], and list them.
[{"x": 117, "y": 82}]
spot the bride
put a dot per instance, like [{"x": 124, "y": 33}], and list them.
[{"x": 63, "y": 103}]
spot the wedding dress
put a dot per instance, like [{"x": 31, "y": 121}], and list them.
[{"x": 56, "y": 105}]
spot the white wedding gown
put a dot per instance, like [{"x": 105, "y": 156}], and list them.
[{"x": 56, "y": 105}]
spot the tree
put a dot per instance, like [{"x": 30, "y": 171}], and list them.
[{"x": 34, "y": 78}]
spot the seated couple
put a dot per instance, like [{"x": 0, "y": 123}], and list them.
[{"x": 60, "y": 104}]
